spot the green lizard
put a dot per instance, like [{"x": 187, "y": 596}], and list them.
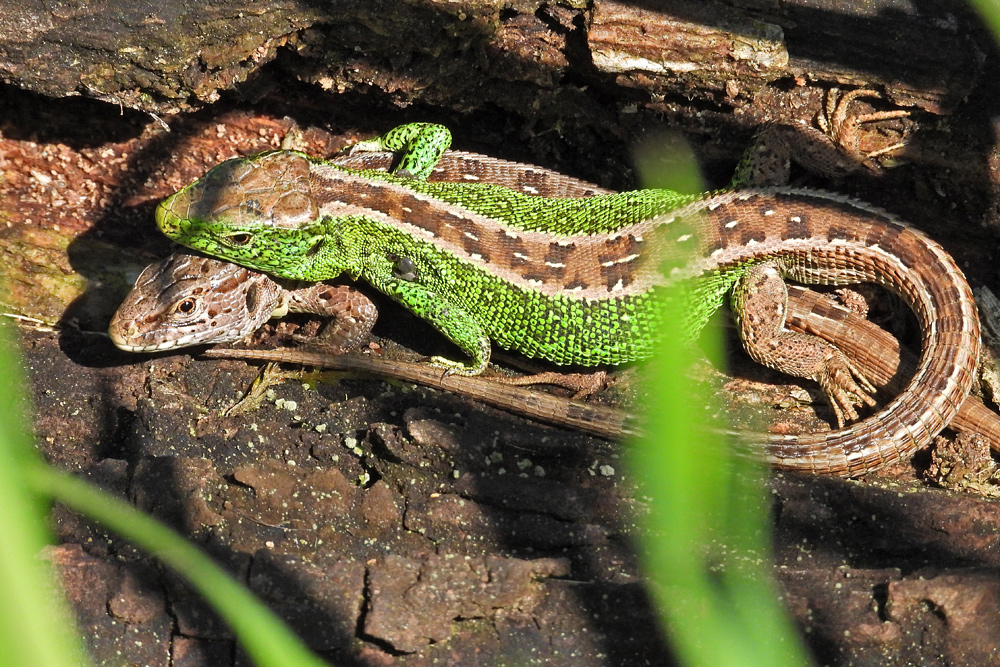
[
  {"x": 580, "y": 281},
  {"x": 564, "y": 319},
  {"x": 192, "y": 300},
  {"x": 189, "y": 300}
]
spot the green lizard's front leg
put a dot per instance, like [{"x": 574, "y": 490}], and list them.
[
  {"x": 452, "y": 320},
  {"x": 418, "y": 147}
]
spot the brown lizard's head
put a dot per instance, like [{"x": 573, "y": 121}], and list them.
[{"x": 187, "y": 300}]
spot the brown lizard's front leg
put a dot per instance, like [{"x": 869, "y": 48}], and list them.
[{"x": 353, "y": 314}]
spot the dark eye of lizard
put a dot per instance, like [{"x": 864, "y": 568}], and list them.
[
  {"x": 186, "y": 306},
  {"x": 241, "y": 238}
]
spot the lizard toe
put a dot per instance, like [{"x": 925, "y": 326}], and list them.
[{"x": 845, "y": 387}]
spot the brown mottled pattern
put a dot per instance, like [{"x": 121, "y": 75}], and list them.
[
  {"x": 518, "y": 258},
  {"x": 914, "y": 266},
  {"x": 797, "y": 227},
  {"x": 464, "y": 167},
  {"x": 459, "y": 166},
  {"x": 187, "y": 297},
  {"x": 836, "y": 251},
  {"x": 514, "y": 245},
  {"x": 190, "y": 300},
  {"x": 851, "y": 242}
]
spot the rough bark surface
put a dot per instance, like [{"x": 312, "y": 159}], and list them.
[
  {"x": 176, "y": 55},
  {"x": 397, "y": 525}
]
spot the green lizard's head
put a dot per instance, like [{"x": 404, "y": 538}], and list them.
[
  {"x": 306, "y": 253},
  {"x": 269, "y": 189}
]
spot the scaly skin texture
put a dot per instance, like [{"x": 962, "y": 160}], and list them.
[
  {"x": 875, "y": 351},
  {"x": 188, "y": 299},
  {"x": 417, "y": 148},
  {"x": 555, "y": 312},
  {"x": 581, "y": 281},
  {"x": 153, "y": 319},
  {"x": 167, "y": 305}
]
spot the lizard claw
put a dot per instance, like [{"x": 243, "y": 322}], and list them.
[
  {"x": 845, "y": 387},
  {"x": 455, "y": 367}
]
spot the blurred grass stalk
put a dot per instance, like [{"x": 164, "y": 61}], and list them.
[
  {"x": 990, "y": 11},
  {"x": 707, "y": 540},
  {"x": 36, "y": 626}
]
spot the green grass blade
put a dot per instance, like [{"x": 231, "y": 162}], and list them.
[
  {"x": 706, "y": 547},
  {"x": 35, "y": 624},
  {"x": 267, "y": 640},
  {"x": 31, "y": 632}
]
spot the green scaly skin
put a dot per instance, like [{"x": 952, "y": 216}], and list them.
[
  {"x": 418, "y": 147},
  {"x": 583, "y": 281},
  {"x": 468, "y": 304}
]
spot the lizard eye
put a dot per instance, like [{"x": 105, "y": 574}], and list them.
[
  {"x": 242, "y": 238},
  {"x": 186, "y": 306}
]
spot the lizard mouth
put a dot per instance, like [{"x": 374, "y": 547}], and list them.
[{"x": 127, "y": 337}]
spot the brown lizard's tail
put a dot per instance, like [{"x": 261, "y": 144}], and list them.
[{"x": 864, "y": 244}]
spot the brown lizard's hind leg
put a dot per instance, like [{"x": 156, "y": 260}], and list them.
[
  {"x": 759, "y": 303},
  {"x": 832, "y": 150}
]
